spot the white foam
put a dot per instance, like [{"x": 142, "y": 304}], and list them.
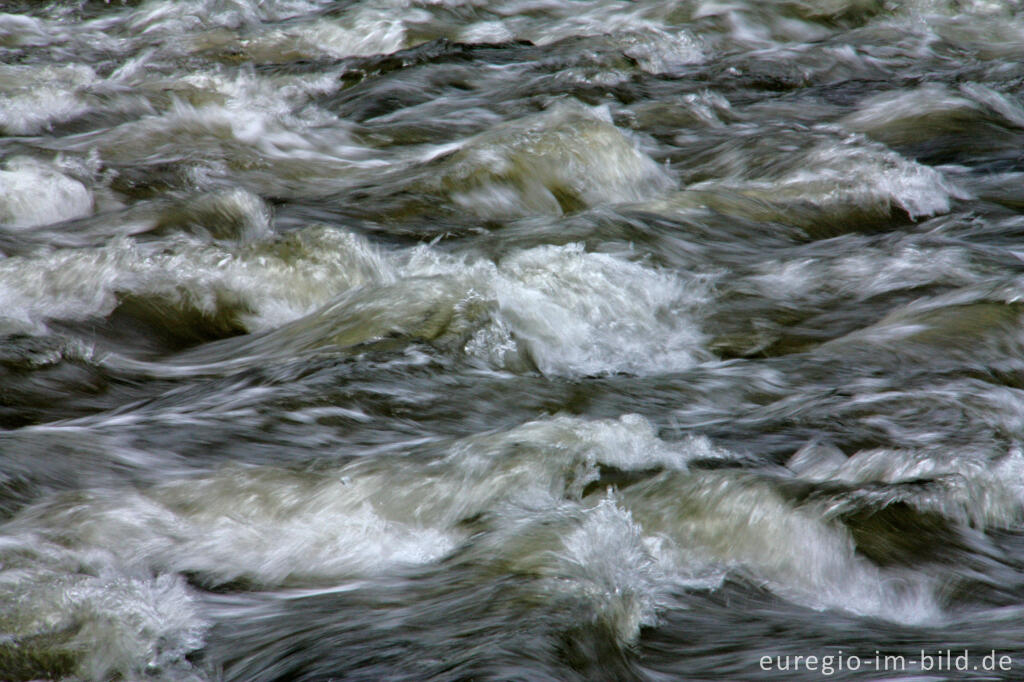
[
  {"x": 580, "y": 313},
  {"x": 486, "y": 32},
  {"x": 266, "y": 526},
  {"x": 958, "y": 8},
  {"x": 110, "y": 559},
  {"x": 34, "y": 97},
  {"x": 609, "y": 564},
  {"x": 867, "y": 176},
  {"x": 900, "y": 109},
  {"x": 837, "y": 174},
  {"x": 34, "y": 193},
  {"x": 276, "y": 527},
  {"x": 866, "y": 271},
  {"x": 208, "y": 122},
  {"x": 574, "y": 312},
  {"x": 276, "y": 530},
  {"x": 111, "y": 622},
  {"x": 629, "y": 442},
  {"x": 262, "y": 285},
  {"x": 233, "y": 215},
  {"x": 638, "y": 30},
  {"x": 738, "y": 522},
  {"x": 560, "y": 309},
  {"x": 17, "y": 29},
  {"x": 534, "y": 466},
  {"x": 973, "y": 488},
  {"x": 658, "y": 51},
  {"x": 679, "y": 527},
  {"x": 171, "y": 18},
  {"x": 361, "y": 31},
  {"x": 566, "y": 158},
  {"x": 817, "y": 461},
  {"x": 1003, "y": 104}
]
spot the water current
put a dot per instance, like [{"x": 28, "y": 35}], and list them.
[{"x": 511, "y": 340}]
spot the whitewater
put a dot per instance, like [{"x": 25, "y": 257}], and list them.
[{"x": 511, "y": 339}]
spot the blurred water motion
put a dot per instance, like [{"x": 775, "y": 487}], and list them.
[{"x": 511, "y": 340}]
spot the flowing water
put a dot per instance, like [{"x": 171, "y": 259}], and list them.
[{"x": 511, "y": 339}]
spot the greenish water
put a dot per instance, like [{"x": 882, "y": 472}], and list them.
[{"x": 511, "y": 340}]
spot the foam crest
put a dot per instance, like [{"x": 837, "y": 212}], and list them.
[
  {"x": 972, "y": 488},
  {"x": 34, "y": 193},
  {"x": 521, "y": 500},
  {"x": 170, "y": 19},
  {"x": 559, "y": 310},
  {"x": 581, "y": 313},
  {"x": 258, "y": 527},
  {"x": 866, "y": 272},
  {"x": 678, "y": 527},
  {"x": 34, "y": 97},
  {"x": 215, "y": 124},
  {"x": 565, "y": 159},
  {"x": 257, "y": 287},
  {"x": 103, "y": 567},
  {"x": 534, "y": 466},
  {"x": 915, "y": 116},
  {"x": 979, "y": 323},
  {"x": 78, "y": 616},
  {"x": 565, "y": 311},
  {"x": 629, "y": 443},
  {"x": 855, "y": 174},
  {"x": 232, "y": 216},
  {"x": 16, "y": 30},
  {"x": 658, "y": 51},
  {"x": 742, "y": 523},
  {"x": 602, "y": 560},
  {"x": 256, "y": 523},
  {"x": 362, "y": 31}
]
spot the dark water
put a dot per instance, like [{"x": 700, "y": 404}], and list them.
[{"x": 511, "y": 340}]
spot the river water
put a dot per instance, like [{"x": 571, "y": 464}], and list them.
[{"x": 511, "y": 340}]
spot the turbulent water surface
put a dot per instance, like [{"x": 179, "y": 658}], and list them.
[{"x": 511, "y": 339}]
